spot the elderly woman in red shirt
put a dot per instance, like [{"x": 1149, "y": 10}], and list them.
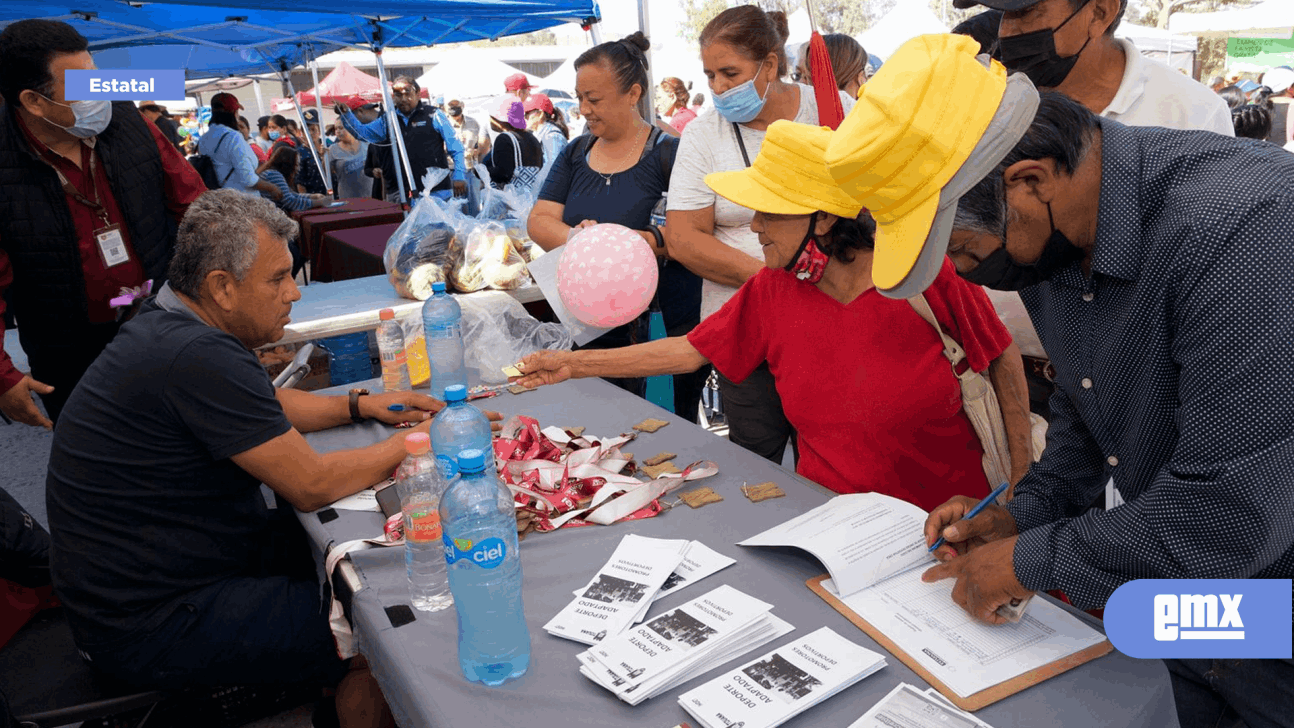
[{"x": 863, "y": 378}]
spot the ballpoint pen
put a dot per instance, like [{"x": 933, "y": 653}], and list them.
[{"x": 998, "y": 491}]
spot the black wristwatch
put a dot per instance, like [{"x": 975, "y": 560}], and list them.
[{"x": 355, "y": 394}]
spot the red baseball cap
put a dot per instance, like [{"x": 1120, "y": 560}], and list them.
[
  {"x": 225, "y": 102},
  {"x": 355, "y": 103},
  {"x": 538, "y": 101},
  {"x": 516, "y": 82}
]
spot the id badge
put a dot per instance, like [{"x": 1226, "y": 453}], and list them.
[{"x": 112, "y": 248}]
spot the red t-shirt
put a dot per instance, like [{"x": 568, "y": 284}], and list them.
[{"x": 866, "y": 385}]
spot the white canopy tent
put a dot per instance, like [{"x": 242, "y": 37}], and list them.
[
  {"x": 467, "y": 73},
  {"x": 906, "y": 21},
  {"x": 1173, "y": 49},
  {"x": 1271, "y": 19},
  {"x": 563, "y": 78}
]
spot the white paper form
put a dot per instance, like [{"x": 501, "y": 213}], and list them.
[
  {"x": 783, "y": 683},
  {"x": 621, "y": 589},
  {"x": 968, "y": 656},
  {"x": 861, "y": 538},
  {"x": 908, "y": 707}
]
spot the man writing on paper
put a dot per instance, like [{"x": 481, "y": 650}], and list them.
[
  {"x": 1155, "y": 264},
  {"x": 173, "y": 571}
]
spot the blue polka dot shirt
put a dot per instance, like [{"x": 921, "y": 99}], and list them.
[{"x": 1175, "y": 373}]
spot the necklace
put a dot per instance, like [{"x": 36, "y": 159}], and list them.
[{"x": 607, "y": 176}]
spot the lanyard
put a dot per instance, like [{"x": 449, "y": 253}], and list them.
[{"x": 94, "y": 204}]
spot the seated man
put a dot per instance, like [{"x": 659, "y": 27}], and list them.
[{"x": 163, "y": 550}]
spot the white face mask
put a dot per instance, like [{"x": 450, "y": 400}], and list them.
[{"x": 92, "y": 117}]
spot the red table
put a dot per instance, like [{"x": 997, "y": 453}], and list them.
[
  {"x": 352, "y": 253},
  {"x": 357, "y": 213}
]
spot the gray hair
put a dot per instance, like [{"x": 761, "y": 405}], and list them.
[
  {"x": 1062, "y": 131},
  {"x": 219, "y": 233}
]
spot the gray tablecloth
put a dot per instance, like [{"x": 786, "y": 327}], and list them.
[{"x": 417, "y": 667}]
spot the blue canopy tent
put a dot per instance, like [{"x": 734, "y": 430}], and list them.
[{"x": 243, "y": 37}]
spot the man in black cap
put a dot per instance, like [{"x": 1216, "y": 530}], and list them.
[
  {"x": 1069, "y": 46},
  {"x": 308, "y": 175}
]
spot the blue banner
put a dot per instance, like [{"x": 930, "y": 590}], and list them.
[
  {"x": 123, "y": 84},
  {"x": 1202, "y": 618}
]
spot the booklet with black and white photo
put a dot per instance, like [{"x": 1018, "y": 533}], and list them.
[
  {"x": 699, "y": 561},
  {"x": 681, "y": 644},
  {"x": 862, "y": 538},
  {"x": 908, "y": 707},
  {"x": 622, "y": 589},
  {"x": 768, "y": 691}
]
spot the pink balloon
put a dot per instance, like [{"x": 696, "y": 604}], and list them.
[{"x": 607, "y": 275}]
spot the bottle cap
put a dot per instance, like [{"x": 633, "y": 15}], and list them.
[
  {"x": 418, "y": 443},
  {"x": 471, "y": 461},
  {"x": 438, "y": 287},
  {"x": 385, "y": 314},
  {"x": 455, "y": 393}
]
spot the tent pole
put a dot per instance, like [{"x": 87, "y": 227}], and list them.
[
  {"x": 260, "y": 98},
  {"x": 595, "y": 32},
  {"x": 301, "y": 117},
  {"x": 314, "y": 75},
  {"x": 647, "y": 104},
  {"x": 393, "y": 131}
]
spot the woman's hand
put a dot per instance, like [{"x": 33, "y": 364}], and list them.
[
  {"x": 544, "y": 367},
  {"x": 575, "y": 230}
]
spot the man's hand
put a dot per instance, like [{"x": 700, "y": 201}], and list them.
[
  {"x": 460, "y": 188},
  {"x": 417, "y": 407},
  {"x": 994, "y": 523},
  {"x": 544, "y": 367},
  {"x": 985, "y": 579},
  {"x": 18, "y": 405},
  {"x": 377, "y": 173},
  {"x": 339, "y": 108}
]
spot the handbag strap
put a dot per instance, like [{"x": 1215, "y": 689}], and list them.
[{"x": 952, "y": 350}]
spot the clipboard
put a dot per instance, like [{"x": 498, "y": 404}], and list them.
[{"x": 983, "y": 698}]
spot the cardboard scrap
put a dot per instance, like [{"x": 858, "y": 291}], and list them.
[
  {"x": 658, "y": 459},
  {"x": 700, "y": 497},
  {"x": 762, "y": 492},
  {"x": 655, "y": 471},
  {"x": 574, "y": 431},
  {"x": 518, "y": 389},
  {"x": 650, "y": 425}
]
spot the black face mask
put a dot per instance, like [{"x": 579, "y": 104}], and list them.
[
  {"x": 455, "y": 111},
  {"x": 1000, "y": 272},
  {"x": 1034, "y": 55}
]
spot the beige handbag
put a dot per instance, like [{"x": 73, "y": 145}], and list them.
[{"x": 978, "y": 400}]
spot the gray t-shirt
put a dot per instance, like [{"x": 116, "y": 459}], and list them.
[{"x": 709, "y": 144}]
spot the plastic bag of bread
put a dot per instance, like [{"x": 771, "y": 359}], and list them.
[
  {"x": 488, "y": 260},
  {"x": 421, "y": 250}
]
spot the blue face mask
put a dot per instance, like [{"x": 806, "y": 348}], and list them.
[
  {"x": 92, "y": 117},
  {"x": 743, "y": 103},
  {"x": 275, "y": 134}
]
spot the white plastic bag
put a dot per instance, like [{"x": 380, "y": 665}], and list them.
[
  {"x": 420, "y": 252},
  {"x": 488, "y": 260},
  {"x": 498, "y": 332}
]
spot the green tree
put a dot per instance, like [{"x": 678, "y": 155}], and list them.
[
  {"x": 539, "y": 37},
  {"x": 696, "y": 13}
]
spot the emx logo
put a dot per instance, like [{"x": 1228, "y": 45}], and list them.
[
  {"x": 1202, "y": 618},
  {"x": 1175, "y": 615}
]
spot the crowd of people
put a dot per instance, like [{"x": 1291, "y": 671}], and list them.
[{"x": 1028, "y": 200}]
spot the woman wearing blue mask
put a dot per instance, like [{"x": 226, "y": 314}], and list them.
[{"x": 743, "y": 53}]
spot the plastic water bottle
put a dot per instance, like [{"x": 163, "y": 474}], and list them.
[
  {"x": 421, "y": 488},
  {"x": 459, "y": 427},
  {"x": 443, "y": 330},
  {"x": 390, "y": 347},
  {"x": 485, "y": 574}
]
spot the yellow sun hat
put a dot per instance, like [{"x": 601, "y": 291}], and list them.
[
  {"x": 932, "y": 123},
  {"x": 788, "y": 177}
]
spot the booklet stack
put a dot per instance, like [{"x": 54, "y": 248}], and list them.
[
  {"x": 681, "y": 644},
  {"x": 782, "y": 684},
  {"x": 640, "y": 571}
]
